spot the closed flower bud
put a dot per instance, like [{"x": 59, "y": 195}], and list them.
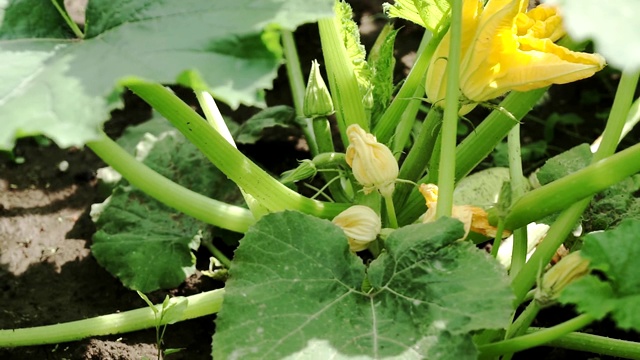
[
  {"x": 372, "y": 163},
  {"x": 317, "y": 100},
  {"x": 306, "y": 169},
  {"x": 567, "y": 270},
  {"x": 361, "y": 225}
]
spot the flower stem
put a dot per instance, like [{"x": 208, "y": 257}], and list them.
[
  {"x": 199, "y": 305},
  {"x": 447, "y": 167},
  {"x": 296, "y": 82},
  {"x": 268, "y": 191},
  {"x": 391, "y": 212},
  {"x": 535, "y": 339},
  {"x": 582, "y": 184},
  {"x": 322, "y": 132},
  {"x": 211, "y": 211}
]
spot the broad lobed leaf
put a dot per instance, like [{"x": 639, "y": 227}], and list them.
[
  {"x": 57, "y": 86},
  {"x": 144, "y": 243},
  {"x": 295, "y": 291},
  {"x": 615, "y": 254}
]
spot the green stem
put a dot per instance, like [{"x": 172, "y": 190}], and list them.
[
  {"x": 498, "y": 240},
  {"x": 388, "y": 122},
  {"x": 391, "y": 212},
  {"x": 211, "y": 211},
  {"x": 537, "y": 338},
  {"x": 618, "y": 116},
  {"x": 447, "y": 167},
  {"x": 408, "y": 116},
  {"x": 483, "y": 139},
  {"x": 477, "y": 145},
  {"x": 524, "y": 320},
  {"x": 521, "y": 324},
  {"x": 519, "y": 251},
  {"x": 214, "y": 118},
  {"x": 268, "y": 191},
  {"x": 72, "y": 24},
  {"x": 596, "y": 177},
  {"x": 199, "y": 305},
  {"x": 322, "y": 132},
  {"x": 342, "y": 78},
  {"x": 224, "y": 260},
  {"x": 296, "y": 82},
  {"x": 596, "y": 344},
  {"x": 419, "y": 155}
]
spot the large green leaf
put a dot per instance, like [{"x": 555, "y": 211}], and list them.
[
  {"x": 612, "y": 25},
  {"x": 59, "y": 86},
  {"x": 144, "y": 243},
  {"x": 295, "y": 291},
  {"x": 615, "y": 254}
]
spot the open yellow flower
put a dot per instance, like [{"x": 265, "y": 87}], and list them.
[
  {"x": 506, "y": 48},
  {"x": 372, "y": 163}
]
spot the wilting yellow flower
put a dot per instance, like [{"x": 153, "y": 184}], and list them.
[
  {"x": 372, "y": 163},
  {"x": 506, "y": 48},
  {"x": 361, "y": 225},
  {"x": 474, "y": 218}
]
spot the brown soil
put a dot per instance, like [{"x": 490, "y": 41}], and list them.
[{"x": 47, "y": 273}]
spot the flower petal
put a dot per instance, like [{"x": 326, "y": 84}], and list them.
[
  {"x": 493, "y": 42},
  {"x": 540, "y": 62},
  {"x": 437, "y": 73}
]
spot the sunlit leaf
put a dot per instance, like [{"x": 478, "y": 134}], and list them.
[
  {"x": 296, "y": 291},
  {"x": 64, "y": 88}
]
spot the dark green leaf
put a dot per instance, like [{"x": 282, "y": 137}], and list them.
[
  {"x": 615, "y": 254},
  {"x": 252, "y": 130},
  {"x": 295, "y": 291},
  {"x": 146, "y": 244}
]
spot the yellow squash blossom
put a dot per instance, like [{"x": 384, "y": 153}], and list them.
[
  {"x": 506, "y": 48},
  {"x": 361, "y": 225},
  {"x": 474, "y": 218},
  {"x": 372, "y": 163}
]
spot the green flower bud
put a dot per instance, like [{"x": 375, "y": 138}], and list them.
[
  {"x": 317, "y": 100},
  {"x": 568, "y": 269},
  {"x": 305, "y": 170}
]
